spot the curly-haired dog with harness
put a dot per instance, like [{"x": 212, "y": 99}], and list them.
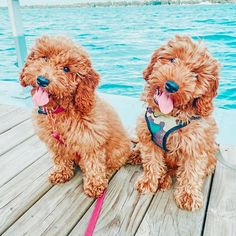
[
  {"x": 177, "y": 133},
  {"x": 77, "y": 126}
]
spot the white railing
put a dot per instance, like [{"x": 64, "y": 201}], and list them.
[{"x": 18, "y": 31}]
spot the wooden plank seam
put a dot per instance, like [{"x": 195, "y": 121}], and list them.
[{"x": 207, "y": 204}]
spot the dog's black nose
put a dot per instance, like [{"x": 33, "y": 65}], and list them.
[
  {"x": 171, "y": 86},
  {"x": 42, "y": 81}
]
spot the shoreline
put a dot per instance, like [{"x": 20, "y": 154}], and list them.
[{"x": 130, "y": 3}]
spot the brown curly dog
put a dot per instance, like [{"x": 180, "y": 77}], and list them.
[
  {"x": 76, "y": 125},
  {"x": 177, "y": 133}
]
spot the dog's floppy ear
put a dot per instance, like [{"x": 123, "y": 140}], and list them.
[
  {"x": 23, "y": 77},
  {"x": 148, "y": 71},
  {"x": 204, "y": 104},
  {"x": 44, "y": 40},
  {"x": 85, "y": 94}
]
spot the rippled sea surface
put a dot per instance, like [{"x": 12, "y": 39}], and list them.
[{"x": 120, "y": 41}]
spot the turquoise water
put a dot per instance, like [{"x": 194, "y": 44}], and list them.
[{"x": 121, "y": 40}]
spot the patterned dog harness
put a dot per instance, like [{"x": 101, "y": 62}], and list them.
[{"x": 161, "y": 126}]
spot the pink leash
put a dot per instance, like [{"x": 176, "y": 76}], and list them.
[
  {"x": 94, "y": 217},
  {"x": 96, "y": 211}
]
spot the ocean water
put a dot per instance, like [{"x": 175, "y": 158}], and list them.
[{"x": 120, "y": 41}]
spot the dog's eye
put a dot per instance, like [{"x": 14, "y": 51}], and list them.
[
  {"x": 44, "y": 58},
  {"x": 172, "y": 60},
  {"x": 66, "y": 69}
]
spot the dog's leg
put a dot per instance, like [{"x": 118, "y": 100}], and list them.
[
  {"x": 154, "y": 170},
  {"x": 117, "y": 157},
  {"x": 212, "y": 160},
  {"x": 63, "y": 170},
  {"x": 94, "y": 168},
  {"x": 190, "y": 177}
]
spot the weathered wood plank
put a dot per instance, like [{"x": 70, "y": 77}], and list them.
[
  {"x": 19, "y": 158},
  {"x": 123, "y": 207},
  {"x": 221, "y": 213},
  {"x": 56, "y": 212},
  {"x": 163, "y": 217},
  {"x": 15, "y": 136},
  {"x": 6, "y": 108},
  {"x": 23, "y": 191},
  {"x": 12, "y": 118}
]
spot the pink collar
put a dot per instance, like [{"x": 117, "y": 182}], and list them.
[
  {"x": 43, "y": 110},
  {"x": 58, "y": 110}
]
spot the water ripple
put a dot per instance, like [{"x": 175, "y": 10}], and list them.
[{"x": 120, "y": 41}]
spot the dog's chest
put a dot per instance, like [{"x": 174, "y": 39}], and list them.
[
  {"x": 50, "y": 125},
  {"x": 161, "y": 127},
  {"x": 63, "y": 130}
]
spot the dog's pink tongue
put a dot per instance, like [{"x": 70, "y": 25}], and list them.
[
  {"x": 40, "y": 98},
  {"x": 165, "y": 103}
]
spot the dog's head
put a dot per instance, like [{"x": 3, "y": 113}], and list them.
[
  {"x": 182, "y": 75},
  {"x": 60, "y": 72}
]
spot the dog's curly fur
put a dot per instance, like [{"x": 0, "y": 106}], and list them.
[
  {"x": 88, "y": 125},
  {"x": 192, "y": 148}
]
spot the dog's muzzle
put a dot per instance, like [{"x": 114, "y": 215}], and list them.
[{"x": 42, "y": 81}]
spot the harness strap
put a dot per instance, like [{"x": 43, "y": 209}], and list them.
[
  {"x": 94, "y": 217},
  {"x": 161, "y": 126}
]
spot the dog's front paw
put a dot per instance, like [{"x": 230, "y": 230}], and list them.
[
  {"x": 165, "y": 183},
  {"x": 144, "y": 186},
  {"x": 60, "y": 176},
  {"x": 191, "y": 200},
  {"x": 94, "y": 187}
]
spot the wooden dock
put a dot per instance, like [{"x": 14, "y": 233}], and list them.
[{"x": 30, "y": 205}]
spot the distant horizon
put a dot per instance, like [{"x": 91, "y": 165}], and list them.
[
  {"x": 3, "y": 3},
  {"x": 51, "y": 3}
]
